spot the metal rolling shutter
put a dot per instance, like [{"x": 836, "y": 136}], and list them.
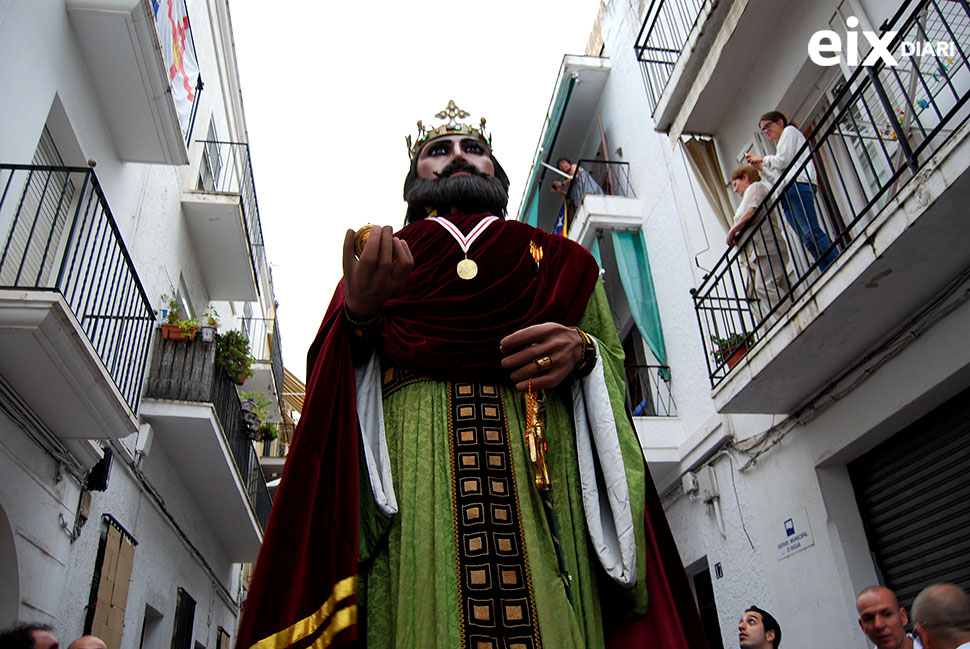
[{"x": 913, "y": 493}]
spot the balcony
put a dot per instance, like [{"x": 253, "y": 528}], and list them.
[
  {"x": 75, "y": 322},
  {"x": 602, "y": 198},
  {"x": 120, "y": 44},
  {"x": 266, "y": 347},
  {"x": 648, "y": 391},
  {"x": 222, "y": 214},
  {"x": 671, "y": 28},
  {"x": 891, "y": 155},
  {"x": 570, "y": 122},
  {"x": 194, "y": 409}
]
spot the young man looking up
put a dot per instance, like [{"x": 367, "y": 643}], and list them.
[{"x": 758, "y": 629}]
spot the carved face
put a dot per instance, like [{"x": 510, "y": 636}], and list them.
[{"x": 454, "y": 155}]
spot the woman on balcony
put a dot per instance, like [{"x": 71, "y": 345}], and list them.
[{"x": 798, "y": 199}]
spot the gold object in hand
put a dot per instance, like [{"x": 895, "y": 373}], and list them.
[
  {"x": 544, "y": 362},
  {"x": 360, "y": 238}
]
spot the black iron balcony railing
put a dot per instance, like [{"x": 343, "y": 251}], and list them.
[
  {"x": 226, "y": 168},
  {"x": 883, "y": 125},
  {"x": 648, "y": 392},
  {"x": 265, "y": 343},
  {"x": 187, "y": 371},
  {"x": 599, "y": 177},
  {"x": 62, "y": 236},
  {"x": 665, "y": 29}
]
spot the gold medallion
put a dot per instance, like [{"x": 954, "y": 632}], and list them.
[{"x": 467, "y": 269}]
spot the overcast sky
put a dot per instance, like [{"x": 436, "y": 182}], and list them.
[{"x": 331, "y": 90}]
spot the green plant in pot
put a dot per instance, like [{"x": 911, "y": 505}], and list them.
[
  {"x": 267, "y": 431},
  {"x": 211, "y": 317},
  {"x": 233, "y": 355},
  {"x": 255, "y": 411},
  {"x": 730, "y": 350},
  {"x": 174, "y": 327}
]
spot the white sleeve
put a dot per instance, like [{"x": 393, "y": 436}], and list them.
[
  {"x": 788, "y": 144},
  {"x": 370, "y": 413},
  {"x": 606, "y": 501}
]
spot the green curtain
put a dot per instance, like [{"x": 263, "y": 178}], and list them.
[
  {"x": 594, "y": 249},
  {"x": 634, "y": 268},
  {"x": 530, "y": 214}
]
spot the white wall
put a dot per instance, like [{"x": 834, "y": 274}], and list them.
[
  {"x": 43, "y": 69},
  {"x": 811, "y": 592}
]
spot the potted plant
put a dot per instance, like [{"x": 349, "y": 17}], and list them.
[
  {"x": 730, "y": 350},
  {"x": 266, "y": 432},
  {"x": 208, "y": 330},
  {"x": 255, "y": 411},
  {"x": 174, "y": 327},
  {"x": 248, "y": 406},
  {"x": 232, "y": 354}
]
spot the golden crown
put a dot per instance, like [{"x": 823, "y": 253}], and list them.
[{"x": 451, "y": 127}]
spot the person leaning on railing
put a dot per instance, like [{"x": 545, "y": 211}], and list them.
[
  {"x": 798, "y": 200},
  {"x": 585, "y": 183},
  {"x": 765, "y": 250}
]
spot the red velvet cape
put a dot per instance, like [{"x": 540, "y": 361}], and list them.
[{"x": 442, "y": 326}]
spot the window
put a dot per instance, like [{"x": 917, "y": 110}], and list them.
[
  {"x": 109, "y": 589},
  {"x": 222, "y": 641},
  {"x": 184, "y": 619},
  {"x": 210, "y": 170}
]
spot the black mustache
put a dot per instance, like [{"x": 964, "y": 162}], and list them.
[{"x": 459, "y": 166}]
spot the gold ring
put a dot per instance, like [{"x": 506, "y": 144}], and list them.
[{"x": 544, "y": 362}]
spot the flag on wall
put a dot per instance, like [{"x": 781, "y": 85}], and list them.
[{"x": 178, "y": 53}]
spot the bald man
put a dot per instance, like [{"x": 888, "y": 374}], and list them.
[
  {"x": 88, "y": 642},
  {"x": 942, "y": 617},
  {"x": 883, "y": 620}
]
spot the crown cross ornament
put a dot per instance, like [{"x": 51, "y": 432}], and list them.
[{"x": 452, "y": 113}]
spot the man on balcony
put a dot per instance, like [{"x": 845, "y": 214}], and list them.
[
  {"x": 459, "y": 345},
  {"x": 763, "y": 241}
]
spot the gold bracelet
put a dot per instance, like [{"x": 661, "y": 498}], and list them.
[
  {"x": 361, "y": 328},
  {"x": 587, "y": 361}
]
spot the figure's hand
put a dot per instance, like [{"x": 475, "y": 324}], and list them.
[
  {"x": 754, "y": 160},
  {"x": 378, "y": 275},
  {"x": 732, "y": 236},
  {"x": 563, "y": 345}
]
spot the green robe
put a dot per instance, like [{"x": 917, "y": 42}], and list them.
[{"x": 409, "y": 583}]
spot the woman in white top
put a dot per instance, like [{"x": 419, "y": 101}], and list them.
[{"x": 798, "y": 200}]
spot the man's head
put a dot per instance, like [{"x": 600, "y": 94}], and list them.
[
  {"x": 28, "y": 636},
  {"x": 452, "y": 168},
  {"x": 564, "y": 165},
  {"x": 941, "y": 615},
  {"x": 88, "y": 642},
  {"x": 758, "y": 629},
  {"x": 881, "y": 617},
  {"x": 455, "y": 172},
  {"x": 742, "y": 177}
]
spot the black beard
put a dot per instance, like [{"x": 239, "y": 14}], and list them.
[{"x": 466, "y": 194}]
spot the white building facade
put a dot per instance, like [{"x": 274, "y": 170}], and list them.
[
  {"x": 130, "y": 491},
  {"x": 823, "y": 449}
]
